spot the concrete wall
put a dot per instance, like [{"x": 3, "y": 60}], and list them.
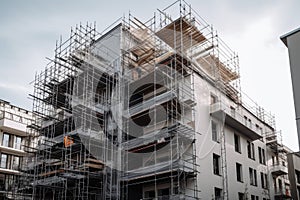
[
  {"x": 293, "y": 165},
  {"x": 293, "y": 44},
  {"x": 108, "y": 46}
]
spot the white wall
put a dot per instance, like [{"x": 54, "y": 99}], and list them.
[{"x": 206, "y": 147}]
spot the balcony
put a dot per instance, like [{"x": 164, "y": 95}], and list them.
[
  {"x": 278, "y": 169},
  {"x": 150, "y": 103},
  {"x": 235, "y": 119},
  {"x": 281, "y": 193},
  {"x": 162, "y": 169},
  {"x": 159, "y": 136},
  {"x": 13, "y": 126},
  {"x": 9, "y": 171},
  {"x": 13, "y": 151}
]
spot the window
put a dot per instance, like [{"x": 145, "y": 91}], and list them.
[
  {"x": 253, "y": 152},
  {"x": 261, "y": 156},
  {"x": 239, "y": 172},
  {"x": 241, "y": 196},
  {"x": 149, "y": 194},
  {"x": 218, "y": 193},
  {"x": 163, "y": 192},
  {"x": 237, "y": 143},
  {"x": 264, "y": 180},
  {"x": 16, "y": 162},
  {"x": 216, "y": 164},
  {"x": 250, "y": 149},
  {"x": 253, "y": 197},
  {"x": 2, "y": 182},
  {"x": 18, "y": 142},
  {"x": 279, "y": 186},
  {"x": 5, "y": 140},
  {"x": 297, "y": 176},
  {"x": 3, "y": 163},
  {"x": 213, "y": 99},
  {"x": 214, "y": 131},
  {"x": 253, "y": 176}
]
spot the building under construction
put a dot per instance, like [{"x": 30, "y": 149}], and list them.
[{"x": 140, "y": 111}]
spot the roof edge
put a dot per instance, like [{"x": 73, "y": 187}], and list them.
[{"x": 284, "y": 37}]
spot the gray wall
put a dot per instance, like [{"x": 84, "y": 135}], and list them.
[{"x": 293, "y": 43}]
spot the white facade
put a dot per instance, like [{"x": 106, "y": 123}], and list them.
[
  {"x": 13, "y": 141},
  {"x": 206, "y": 148}
]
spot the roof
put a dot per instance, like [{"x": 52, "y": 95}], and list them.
[
  {"x": 284, "y": 37},
  {"x": 3, "y": 101}
]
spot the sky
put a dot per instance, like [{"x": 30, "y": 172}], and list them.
[{"x": 29, "y": 30}]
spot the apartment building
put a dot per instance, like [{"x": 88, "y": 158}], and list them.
[
  {"x": 239, "y": 149},
  {"x": 292, "y": 42},
  {"x": 151, "y": 110},
  {"x": 294, "y": 174},
  {"x": 13, "y": 138}
]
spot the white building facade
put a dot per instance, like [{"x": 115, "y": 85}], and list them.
[
  {"x": 13, "y": 142},
  {"x": 256, "y": 165}
]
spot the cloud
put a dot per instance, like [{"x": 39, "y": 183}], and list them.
[{"x": 15, "y": 87}]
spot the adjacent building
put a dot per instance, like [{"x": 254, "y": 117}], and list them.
[
  {"x": 292, "y": 41},
  {"x": 13, "y": 139},
  {"x": 150, "y": 110},
  {"x": 294, "y": 174}
]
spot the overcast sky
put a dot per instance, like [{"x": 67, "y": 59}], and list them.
[{"x": 29, "y": 29}]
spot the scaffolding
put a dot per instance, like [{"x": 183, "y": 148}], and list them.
[{"x": 116, "y": 110}]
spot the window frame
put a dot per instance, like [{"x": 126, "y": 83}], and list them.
[
  {"x": 216, "y": 164},
  {"x": 216, "y": 190},
  {"x": 250, "y": 150},
  {"x": 8, "y": 141},
  {"x": 237, "y": 143},
  {"x": 239, "y": 170},
  {"x": 253, "y": 176},
  {"x": 1, "y": 161},
  {"x": 215, "y": 135},
  {"x": 18, "y": 145}
]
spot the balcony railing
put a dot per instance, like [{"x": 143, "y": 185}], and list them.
[
  {"x": 9, "y": 122},
  {"x": 235, "y": 118},
  {"x": 282, "y": 192},
  {"x": 278, "y": 169}
]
